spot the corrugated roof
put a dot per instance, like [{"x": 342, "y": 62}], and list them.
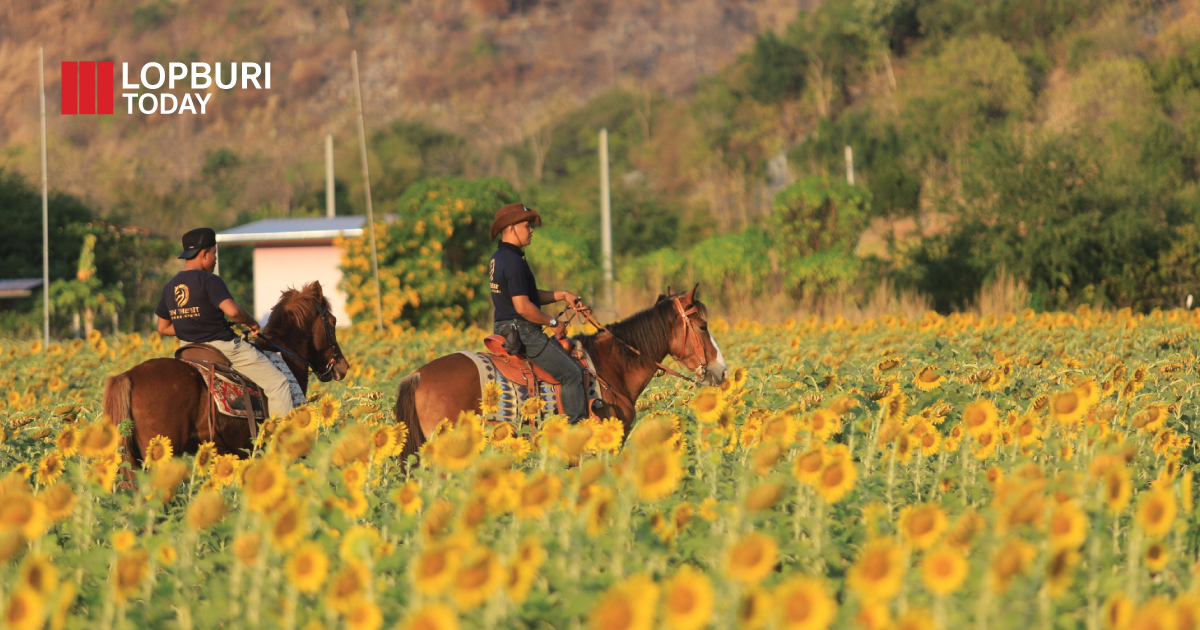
[
  {"x": 294, "y": 229},
  {"x": 20, "y": 284}
]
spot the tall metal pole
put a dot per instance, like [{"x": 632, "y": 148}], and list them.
[
  {"x": 45, "y": 212},
  {"x": 849, "y": 165},
  {"x": 362, "y": 144},
  {"x": 606, "y": 224},
  {"x": 330, "y": 211}
]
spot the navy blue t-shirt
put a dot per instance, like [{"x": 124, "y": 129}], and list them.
[
  {"x": 510, "y": 275},
  {"x": 191, "y": 301}
]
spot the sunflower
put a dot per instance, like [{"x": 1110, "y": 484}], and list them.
[
  {"x": 1156, "y": 512},
  {"x": 59, "y": 500},
  {"x": 823, "y": 423},
  {"x": 928, "y": 379},
  {"x": 50, "y": 467},
  {"x": 265, "y": 484},
  {"x": 1069, "y": 407},
  {"x": 158, "y": 451},
  {"x": 782, "y": 428},
  {"x": 879, "y": 570},
  {"x": 922, "y": 525},
  {"x": 364, "y": 615},
  {"x": 929, "y": 443},
  {"x": 98, "y": 439},
  {"x": 1118, "y": 488},
  {"x": 224, "y": 469},
  {"x": 915, "y": 618},
  {"x": 944, "y": 570},
  {"x": 656, "y": 474},
  {"x": 1151, "y": 420},
  {"x": 765, "y": 457},
  {"x": 204, "y": 458},
  {"x": 708, "y": 403},
  {"x": 837, "y": 479},
  {"x": 804, "y": 604},
  {"x": 1157, "y": 557},
  {"x": 1061, "y": 571},
  {"x": 489, "y": 403},
  {"x": 288, "y": 525},
  {"x": 355, "y": 445},
  {"x": 754, "y": 609},
  {"x": 537, "y": 495},
  {"x": 130, "y": 569},
  {"x": 764, "y": 496},
  {"x": 751, "y": 558},
  {"x": 627, "y": 605},
  {"x": 327, "y": 410},
  {"x": 25, "y": 610},
  {"x": 431, "y": 617},
  {"x": 408, "y": 497},
  {"x": 479, "y": 574},
  {"x": 608, "y": 436},
  {"x": 518, "y": 579},
  {"x": 206, "y": 510},
  {"x": 808, "y": 466},
  {"x": 1118, "y": 611},
  {"x": 1068, "y": 526},
  {"x": 980, "y": 416},
  {"x": 894, "y": 406},
  {"x": 347, "y": 586},
  {"x": 457, "y": 448},
  {"x": 24, "y": 513},
  {"x": 67, "y": 442},
  {"x": 38, "y": 574},
  {"x": 435, "y": 567}
]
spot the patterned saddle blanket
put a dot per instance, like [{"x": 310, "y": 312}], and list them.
[
  {"x": 515, "y": 390},
  {"x": 231, "y": 391}
]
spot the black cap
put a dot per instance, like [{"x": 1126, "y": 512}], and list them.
[{"x": 196, "y": 240}]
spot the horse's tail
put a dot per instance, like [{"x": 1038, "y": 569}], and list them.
[
  {"x": 118, "y": 406},
  {"x": 406, "y": 414}
]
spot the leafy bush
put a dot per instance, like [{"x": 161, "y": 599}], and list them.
[
  {"x": 432, "y": 258},
  {"x": 814, "y": 228}
]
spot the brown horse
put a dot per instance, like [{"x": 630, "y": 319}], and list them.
[
  {"x": 676, "y": 325},
  {"x": 169, "y": 397}
]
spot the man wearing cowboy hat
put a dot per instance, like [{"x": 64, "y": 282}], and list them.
[
  {"x": 194, "y": 306},
  {"x": 517, "y": 302}
]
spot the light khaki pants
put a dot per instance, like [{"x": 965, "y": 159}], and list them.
[{"x": 249, "y": 361}]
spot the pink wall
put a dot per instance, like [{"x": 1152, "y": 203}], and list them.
[{"x": 280, "y": 268}]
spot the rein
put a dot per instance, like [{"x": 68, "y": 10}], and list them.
[
  {"x": 689, "y": 330},
  {"x": 337, "y": 350}
]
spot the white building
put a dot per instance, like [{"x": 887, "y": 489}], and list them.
[{"x": 289, "y": 253}]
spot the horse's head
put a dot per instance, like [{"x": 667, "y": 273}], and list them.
[
  {"x": 691, "y": 342},
  {"x": 303, "y": 327},
  {"x": 328, "y": 361}
]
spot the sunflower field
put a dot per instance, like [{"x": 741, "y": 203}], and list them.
[{"x": 1023, "y": 471}]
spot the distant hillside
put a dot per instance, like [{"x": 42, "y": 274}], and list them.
[{"x": 490, "y": 70}]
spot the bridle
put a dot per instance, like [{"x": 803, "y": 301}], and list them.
[
  {"x": 323, "y": 376},
  {"x": 689, "y": 333}
]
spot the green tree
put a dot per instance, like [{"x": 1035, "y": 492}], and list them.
[
  {"x": 814, "y": 229},
  {"x": 84, "y": 294},
  {"x": 432, "y": 257}
]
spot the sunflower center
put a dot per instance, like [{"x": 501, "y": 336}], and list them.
[
  {"x": 876, "y": 567},
  {"x": 832, "y": 476},
  {"x": 798, "y": 607},
  {"x": 655, "y": 469},
  {"x": 682, "y": 600}
]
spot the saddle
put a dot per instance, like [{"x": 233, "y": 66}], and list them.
[
  {"x": 522, "y": 372},
  {"x": 232, "y": 393}
]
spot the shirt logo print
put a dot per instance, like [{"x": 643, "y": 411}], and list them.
[{"x": 181, "y": 295}]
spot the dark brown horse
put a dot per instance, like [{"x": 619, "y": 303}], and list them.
[
  {"x": 169, "y": 397},
  {"x": 676, "y": 325}
]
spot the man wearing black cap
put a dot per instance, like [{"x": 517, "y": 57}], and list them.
[
  {"x": 194, "y": 306},
  {"x": 517, "y": 302}
]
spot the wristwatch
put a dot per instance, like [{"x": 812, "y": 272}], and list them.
[{"x": 553, "y": 321}]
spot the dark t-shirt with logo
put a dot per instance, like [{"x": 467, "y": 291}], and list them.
[
  {"x": 510, "y": 275},
  {"x": 191, "y": 301}
]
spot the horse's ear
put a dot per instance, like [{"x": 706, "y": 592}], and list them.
[
  {"x": 669, "y": 291},
  {"x": 661, "y": 297},
  {"x": 692, "y": 296}
]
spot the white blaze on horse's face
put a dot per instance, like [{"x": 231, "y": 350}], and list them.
[{"x": 717, "y": 368}]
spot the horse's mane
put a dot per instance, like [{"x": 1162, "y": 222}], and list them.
[
  {"x": 648, "y": 330},
  {"x": 295, "y": 309}
]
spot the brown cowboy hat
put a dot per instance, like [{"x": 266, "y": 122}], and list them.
[{"x": 513, "y": 214}]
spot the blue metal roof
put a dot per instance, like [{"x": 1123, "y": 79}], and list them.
[{"x": 294, "y": 229}]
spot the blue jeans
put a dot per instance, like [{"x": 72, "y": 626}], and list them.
[{"x": 547, "y": 354}]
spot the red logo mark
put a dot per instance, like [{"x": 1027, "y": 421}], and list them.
[{"x": 87, "y": 87}]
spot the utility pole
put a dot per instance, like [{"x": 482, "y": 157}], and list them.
[
  {"x": 45, "y": 212},
  {"x": 330, "y": 211},
  {"x": 849, "y": 165},
  {"x": 606, "y": 225},
  {"x": 362, "y": 144}
]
